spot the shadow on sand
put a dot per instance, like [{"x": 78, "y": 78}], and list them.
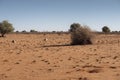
[
  {"x": 57, "y": 45},
  {"x": 63, "y": 45}
]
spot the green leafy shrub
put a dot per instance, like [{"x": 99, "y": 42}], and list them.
[{"x": 5, "y": 27}]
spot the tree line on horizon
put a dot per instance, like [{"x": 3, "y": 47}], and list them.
[
  {"x": 6, "y": 27},
  {"x": 80, "y": 34}
]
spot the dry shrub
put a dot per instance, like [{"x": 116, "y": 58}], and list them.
[{"x": 80, "y": 35}]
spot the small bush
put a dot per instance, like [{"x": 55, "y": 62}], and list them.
[
  {"x": 106, "y": 29},
  {"x": 80, "y": 35}
]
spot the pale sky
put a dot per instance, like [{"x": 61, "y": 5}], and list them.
[{"x": 58, "y": 15}]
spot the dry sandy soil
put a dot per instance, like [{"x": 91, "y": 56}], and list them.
[{"x": 33, "y": 58}]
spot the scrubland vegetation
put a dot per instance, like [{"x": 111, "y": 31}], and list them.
[{"x": 77, "y": 54}]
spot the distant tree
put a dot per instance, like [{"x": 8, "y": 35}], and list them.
[
  {"x": 5, "y": 27},
  {"x": 33, "y": 30},
  {"x": 116, "y": 31},
  {"x": 53, "y": 31},
  {"x": 17, "y": 31},
  {"x": 106, "y": 29},
  {"x": 24, "y": 31},
  {"x": 74, "y": 26}
]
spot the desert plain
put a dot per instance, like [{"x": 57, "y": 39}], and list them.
[{"x": 31, "y": 57}]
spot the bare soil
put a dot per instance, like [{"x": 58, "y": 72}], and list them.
[{"x": 31, "y": 57}]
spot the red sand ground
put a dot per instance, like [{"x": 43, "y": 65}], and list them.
[{"x": 32, "y": 58}]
